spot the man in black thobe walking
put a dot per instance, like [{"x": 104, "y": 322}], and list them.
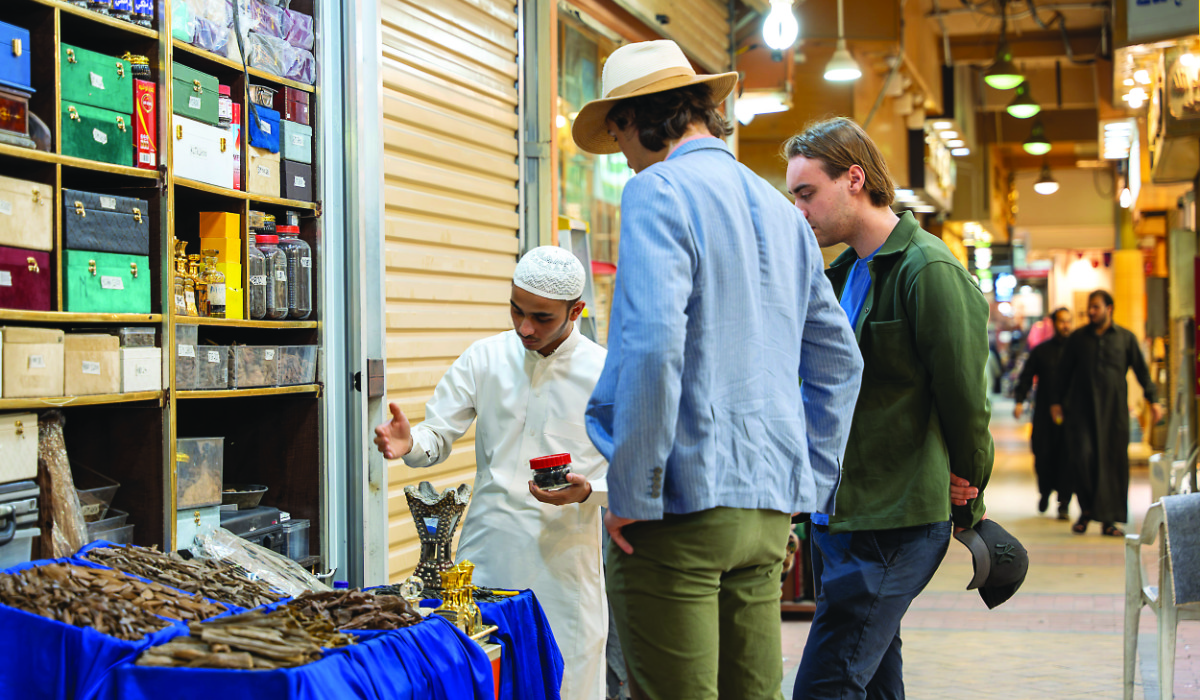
[
  {"x": 1049, "y": 453},
  {"x": 1092, "y": 397}
]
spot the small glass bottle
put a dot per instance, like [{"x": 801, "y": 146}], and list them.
[
  {"x": 550, "y": 472},
  {"x": 256, "y": 272},
  {"x": 214, "y": 279},
  {"x": 138, "y": 65},
  {"x": 224, "y": 107},
  {"x": 299, "y": 267},
  {"x": 177, "y": 284},
  {"x": 276, "y": 269},
  {"x": 143, "y": 13},
  {"x": 122, "y": 9},
  {"x": 199, "y": 284}
]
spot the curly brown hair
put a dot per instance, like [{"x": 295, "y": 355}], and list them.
[{"x": 665, "y": 116}]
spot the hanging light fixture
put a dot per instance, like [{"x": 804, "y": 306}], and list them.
[
  {"x": 1003, "y": 74},
  {"x": 842, "y": 67},
  {"x": 780, "y": 29},
  {"x": 1126, "y": 198},
  {"x": 1046, "y": 184},
  {"x": 1023, "y": 105},
  {"x": 1036, "y": 144}
]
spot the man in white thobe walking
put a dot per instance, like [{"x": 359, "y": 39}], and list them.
[{"x": 529, "y": 388}]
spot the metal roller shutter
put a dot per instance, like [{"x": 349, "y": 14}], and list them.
[{"x": 449, "y": 72}]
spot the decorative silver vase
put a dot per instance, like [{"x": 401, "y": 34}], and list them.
[{"x": 436, "y": 517}]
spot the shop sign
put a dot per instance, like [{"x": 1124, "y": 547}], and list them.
[
  {"x": 1154, "y": 20},
  {"x": 1183, "y": 85}
]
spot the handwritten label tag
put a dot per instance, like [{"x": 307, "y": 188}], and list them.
[
  {"x": 97, "y": 80},
  {"x": 5, "y": 278},
  {"x": 264, "y": 171},
  {"x": 100, "y": 137},
  {"x": 258, "y": 280},
  {"x": 37, "y": 362},
  {"x": 112, "y": 283},
  {"x": 281, "y": 276},
  {"x": 300, "y": 182},
  {"x": 187, "y": 350},
  {"x": 305, "y": 262},
  {"x": 141, "y": 370},
  {"x": 6, "y": 207},
  {"x": 268, "y": 354},
  {"x": 297, "y": 140},
  {"x": 179, "y": 300},
  {"x": 214, "y": 357},
  {"x": 195, "y": 102},
  {"x": 109, "y": 203},
  {"x": 266, "y": 127},
  {"x": 91, "y": 368}
]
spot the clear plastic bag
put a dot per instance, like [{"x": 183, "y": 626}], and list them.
[
  {"x": 267, "y": 53},
  {"x": 266, "y": 19},
  {"x": 183, "y": 21},
  {"x": 276, "y": 570},
  {"x": 299, "y": 65},
  {"x": 211, "y": 36},
  {"x": 69, "y": 532},
  {"x": 298, "y": 29}
]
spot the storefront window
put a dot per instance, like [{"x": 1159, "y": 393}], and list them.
[{"x": 589, "y": 186}]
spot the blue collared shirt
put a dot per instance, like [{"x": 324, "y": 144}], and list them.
[
  {"x": 858, "y": 283},
  {"x": 720, "y": 302}
]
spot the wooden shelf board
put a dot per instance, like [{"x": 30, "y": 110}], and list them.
[
  {"x": 238, "y": 194},
  {"x": 68, "y": 317},
  {"x": 243, "y": 323},
  {"x": 64, "y": 401},
  {"x": 100, "y": 19},
  {"x": 27, "y": 153},
  {"x": 272, "y": 78},
  {"x": 183, "y": 47},
  {"x": 83, "y": 164},
  {"x": 242, "y": 393}
]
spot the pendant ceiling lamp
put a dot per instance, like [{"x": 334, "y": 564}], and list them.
[
  {"x": 780, "y": 28},
  {"x": 842, "y": 67},
  {"x": 1036, "y": 144},
  {"x": 1046, "y": 184},
  {"x": 1023, "y": 105},
  {"x": 1003, "y": 74}
]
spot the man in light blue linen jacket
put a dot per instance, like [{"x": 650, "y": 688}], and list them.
[{"x": 721, "y": 302}]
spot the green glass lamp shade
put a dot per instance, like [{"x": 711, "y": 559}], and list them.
[
  {"x": 1003, "y": 74},
  {"x": 1023, "y": 105},
  {"x": 1036, "y": 144}
]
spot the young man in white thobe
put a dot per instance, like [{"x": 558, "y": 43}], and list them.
[{"x": 529, "y": 388}]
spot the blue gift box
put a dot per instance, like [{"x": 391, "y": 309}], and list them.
[
  {"x": 262, "y": 125},
  {"x": 14, "y": 57}
]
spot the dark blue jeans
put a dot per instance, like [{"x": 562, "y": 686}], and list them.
[{"x": 865, "y": 582}]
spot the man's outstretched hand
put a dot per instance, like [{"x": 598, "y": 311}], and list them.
[{"x": 394, "y": 438}]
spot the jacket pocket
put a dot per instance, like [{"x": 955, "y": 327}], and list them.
[{"x": 891, "y": 357}]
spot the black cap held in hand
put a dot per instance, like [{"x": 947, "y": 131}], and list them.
[{"x": 1000, "y": 561}]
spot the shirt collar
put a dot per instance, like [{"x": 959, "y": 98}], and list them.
[
  {"x": 707, "y": 142},
  {"x": 901, "y": 235},
  {"x": 562, "y": 350}
]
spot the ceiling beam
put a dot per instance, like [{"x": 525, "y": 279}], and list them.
[
  {"x": 1060, "y": 125},
  {"x": 981, "y": 48}
]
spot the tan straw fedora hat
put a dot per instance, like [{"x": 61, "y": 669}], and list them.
[{"x": 640, "y": 69}]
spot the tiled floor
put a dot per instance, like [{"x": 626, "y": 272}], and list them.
[{"x": 1059, "y": 637}]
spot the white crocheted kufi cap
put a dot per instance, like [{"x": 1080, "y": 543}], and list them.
[{"x": 550, "y": 272}]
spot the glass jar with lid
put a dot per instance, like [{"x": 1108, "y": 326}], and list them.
[
  {"x": 104, "y": 7},
  {"x": 214, "y": 280},
  {"x": 224, "y": 106},
  {"x": 256, "y": 271},
  {"x": 299, "y": 264},
  {"x": 276, "y": 274}
]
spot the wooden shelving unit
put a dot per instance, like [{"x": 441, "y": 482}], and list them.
[
  {"x": 247, "y": 393},
  {"x": 92, "y": 400},
  {"x": 273, "y": 435}
]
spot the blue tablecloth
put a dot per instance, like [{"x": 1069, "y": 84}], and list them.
[{"x": 42, "y": 658}]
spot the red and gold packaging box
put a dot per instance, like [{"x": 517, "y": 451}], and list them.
[
  {"x": 236, "y": 128},
  {"x": 145, "y": 137}
]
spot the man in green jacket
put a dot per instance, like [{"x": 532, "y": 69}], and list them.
[{"x": 920, "y": 452}]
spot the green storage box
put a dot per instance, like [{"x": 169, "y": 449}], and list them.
[
  {"x": 96, "y": 80},
  {"x": 106, "y": 283},
  {"x": 194, "y": 94},
  {"x": 97, "y": 134}
]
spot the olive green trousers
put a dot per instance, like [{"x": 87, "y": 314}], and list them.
[{"x": 696, "y": 605}]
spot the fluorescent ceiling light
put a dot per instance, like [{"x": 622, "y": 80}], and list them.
[
  {"x": 948, "y": 134},
  {"x": 752, "y": 104},
  {"x": 956, "y": 143},
  {"x": 1126, "y": 198},
  {"x": 958, "y": 152},
  {"x": 943, "y": 125}
]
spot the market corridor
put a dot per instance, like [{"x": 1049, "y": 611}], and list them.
[{"x": 1059, "y": 637}]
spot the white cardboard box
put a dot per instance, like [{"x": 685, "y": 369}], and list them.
[
  {"x": 202, "y": 152},
  {"x": 141, "y": 369},
  {"x": 18, "y": 446}
]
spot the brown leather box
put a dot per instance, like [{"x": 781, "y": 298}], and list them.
[{"x": 294, "y": 105}]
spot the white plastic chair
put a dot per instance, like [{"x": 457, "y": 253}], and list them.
[{"x": 1160, "y": 599}]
